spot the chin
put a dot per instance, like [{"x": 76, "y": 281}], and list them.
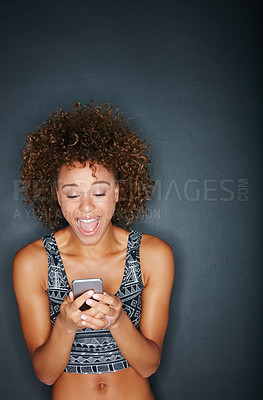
[{"x": 89, "y": 238}]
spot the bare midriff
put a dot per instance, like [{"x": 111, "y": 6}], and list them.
[{"x": 126, "y": 384}]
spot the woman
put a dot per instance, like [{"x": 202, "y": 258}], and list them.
[{"x": 87, "y": 167}]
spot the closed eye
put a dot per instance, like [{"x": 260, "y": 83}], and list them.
[
  {"x": 72, "y": 197},
  {"x": 100, "y": 194}
]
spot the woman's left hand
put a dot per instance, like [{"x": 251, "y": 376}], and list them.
[{"x": 104, "y": 308}]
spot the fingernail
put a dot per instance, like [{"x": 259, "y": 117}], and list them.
[
  {"x": 90, "y": 292},
  {"x": 83, "y": 323},
  {"x": 83, "y": 316},
  {"x": 89, "y": 302},
  {"x": 95, "y": 296}
]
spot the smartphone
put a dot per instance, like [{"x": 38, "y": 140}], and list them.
[{"x": 80, "y": 286}]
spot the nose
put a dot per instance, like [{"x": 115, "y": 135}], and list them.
[{"x": 86, "y": 204}]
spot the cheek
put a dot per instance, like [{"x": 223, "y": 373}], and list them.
[
  {"x": 67, "y": 209},
  {"x": 109, "y": 207}
]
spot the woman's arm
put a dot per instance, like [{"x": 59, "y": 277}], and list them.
[
  {"x": 49, "y": 348},
  {"x": 142, "y": 349}
]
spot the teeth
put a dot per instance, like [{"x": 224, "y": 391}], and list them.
[{"x": 87, "y": 221}]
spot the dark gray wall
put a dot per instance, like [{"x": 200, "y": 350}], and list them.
[{"x": 188, "y": 73}]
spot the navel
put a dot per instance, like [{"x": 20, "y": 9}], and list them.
[{"x": 101, "y": 386}]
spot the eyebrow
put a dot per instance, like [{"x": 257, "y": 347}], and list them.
[{"x": 94, "y": 183}]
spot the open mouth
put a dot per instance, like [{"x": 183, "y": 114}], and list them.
[{"x": 88, "y": 226}]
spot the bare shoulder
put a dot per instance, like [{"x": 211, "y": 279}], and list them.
[
  {"x": 30, "y": 253},
  {"x": 154, "y": 248},
  {"x": 30, "y": 262},
  {"x": 157, "y": 258}
]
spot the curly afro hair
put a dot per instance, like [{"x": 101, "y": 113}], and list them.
[{"x": 93, "y": 134}]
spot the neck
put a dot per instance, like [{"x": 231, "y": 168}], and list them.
[{"x": 105, "y": 244}]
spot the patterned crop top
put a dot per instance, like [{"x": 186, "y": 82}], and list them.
[{"x": 95, "y": 351}]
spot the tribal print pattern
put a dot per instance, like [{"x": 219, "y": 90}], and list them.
[{"x": 95, "y": 351}]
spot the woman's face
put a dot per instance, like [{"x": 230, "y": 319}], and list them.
[{"x": 87, "y": 202}]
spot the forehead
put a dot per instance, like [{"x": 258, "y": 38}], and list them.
[{"x": 80, "y": 174}]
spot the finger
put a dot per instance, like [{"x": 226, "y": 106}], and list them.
[
  {"x": 82, "y": 298},
  {"x": 95, "y": 327},
  {"x": 99, "y": 307},
  {"x": 92, "y": 312},
  {"x": 106, "y": 298},
  {"x": 70, "y": 296},
  {"x": 99, "y": 315},
  {"x": 93, "y": 322},
  {"x": 108, "y": 321},
  {"x": 85, "y": 324}
]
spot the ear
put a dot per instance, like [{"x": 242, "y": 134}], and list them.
[{"x": 117, "y": 191}]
